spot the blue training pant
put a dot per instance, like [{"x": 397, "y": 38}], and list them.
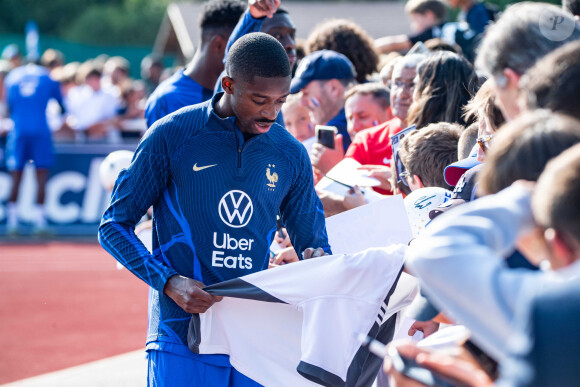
[{"x": 167, "y": 369}]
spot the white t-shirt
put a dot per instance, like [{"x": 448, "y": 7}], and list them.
[{"x": 88, "y": 107}]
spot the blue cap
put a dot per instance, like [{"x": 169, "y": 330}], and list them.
[{"x": 321, "y": 65}]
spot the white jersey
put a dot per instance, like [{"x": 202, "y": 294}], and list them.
[{"x": 299, "y": 323}]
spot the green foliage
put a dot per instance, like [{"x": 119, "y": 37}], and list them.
[
  {"x": 87, "y": 21},
  {"x": 134, "y": 23},
  {"x": 104, "y": 22},
  {"x": 51, "y": 15}
]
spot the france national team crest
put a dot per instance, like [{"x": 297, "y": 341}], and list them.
[
  {"x": 272, "y": 177},
  {"x": 236, "y": 209}
]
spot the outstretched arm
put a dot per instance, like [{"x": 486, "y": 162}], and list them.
[
  {"x": 137, "y": 188},
  {"x": 302, "y": 211}
]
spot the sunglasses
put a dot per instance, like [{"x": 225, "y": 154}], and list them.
[{"x": 484, "y": 142}]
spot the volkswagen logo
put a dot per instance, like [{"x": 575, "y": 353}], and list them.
[{"x": 236, "y": 209}]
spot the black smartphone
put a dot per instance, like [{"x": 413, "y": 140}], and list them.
[{"x": 325, "y": 135}]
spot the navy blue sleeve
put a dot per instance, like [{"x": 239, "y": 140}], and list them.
[
  {"x": 246, "y": 25},
  {"x": 302, "y": 211},
  {"x": 137, "y": 189}
]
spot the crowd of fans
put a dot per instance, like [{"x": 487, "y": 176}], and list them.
[
  {"x": 494, "y": 99},
  {"x": 101, "y": 102}
]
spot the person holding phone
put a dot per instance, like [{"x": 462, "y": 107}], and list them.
[{"x": 323, "y": 78}]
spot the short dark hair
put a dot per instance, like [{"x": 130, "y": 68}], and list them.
[
  {"x": 377, "y": 90},
  {"x": 257, "y": 54},
  {"x": 437, "y": 7},
  {"x": 524, "y": 146},
  {"x": 572, "y": 6},
  {"x": 426, "y": 152},
  {"x": 219, "y": 15},
  {"x": 555, "y": 200},
  {"x": 553, "y": 83},
  {"x": 281, "y": 11}
]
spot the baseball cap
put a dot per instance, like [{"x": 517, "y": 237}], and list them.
[
  {"x": 453, "y": 172},
  {"x": 464, "y": 192},
  {"x": 321, "y": 65}
]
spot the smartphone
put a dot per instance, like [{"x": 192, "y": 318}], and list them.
[{"x": 325, "y": 135}]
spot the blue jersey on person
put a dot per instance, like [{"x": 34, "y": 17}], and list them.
[
  {"x": 215, "y": 198},
  {"x": 172, "y": 94},
  {"x": 29, "y": 90}
]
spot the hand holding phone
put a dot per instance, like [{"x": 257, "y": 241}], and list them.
[
  {"x": 325, "y": 135},
  {"x": 409, "y": 367}
]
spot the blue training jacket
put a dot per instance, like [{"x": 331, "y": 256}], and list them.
[{"x": 215, "y": 198}]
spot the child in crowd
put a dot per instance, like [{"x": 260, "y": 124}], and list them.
[
  {"x": 425, "y": 153},
  {"x": 297, "y": 121},
  {"x": 426, "y": 19}
]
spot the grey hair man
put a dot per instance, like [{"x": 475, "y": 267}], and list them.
[{"x": 523, "y": 34}]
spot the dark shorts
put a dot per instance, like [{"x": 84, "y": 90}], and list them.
[{"x": 22, "y": 148}]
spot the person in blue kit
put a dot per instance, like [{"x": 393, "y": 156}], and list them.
[
  {"x": 216, "y": 174},
  {"x": 195, "y": 83},
  {"x": 28, "y": 93}
]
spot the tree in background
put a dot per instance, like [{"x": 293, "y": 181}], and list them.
[{"x": 99, "y": 22}]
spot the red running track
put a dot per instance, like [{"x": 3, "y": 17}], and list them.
[{"x": 65, "y": 304}]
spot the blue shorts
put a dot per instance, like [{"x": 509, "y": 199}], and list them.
[
  {"x": 22, "y": 148},
  {"x": 167, "y": 369}
]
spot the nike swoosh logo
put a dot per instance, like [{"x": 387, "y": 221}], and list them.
[{"x": 196, "y": 168}]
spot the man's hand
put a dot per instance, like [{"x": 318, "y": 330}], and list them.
[
  {"x": 282, "y": 241},
  {"x": 354, "y": 198},
  {"x": 287, "y": 255},
  {"x": 188, "y": 294},
  {"x": 313, "y": 253},
  {"x": 427, "y": 327},
  {"x": 380, "y": 172},
  {"x": 460, "y": 370},
  {"x": 323, "y": 158},
  {"x": 263, "y": 8}
]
